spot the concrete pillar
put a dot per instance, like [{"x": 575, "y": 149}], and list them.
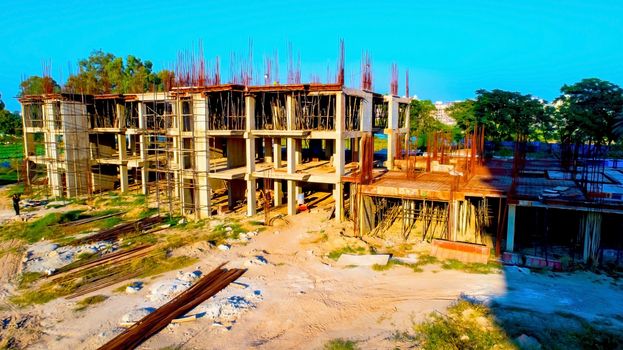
[
  {"x": 123, "y": 177},
  {"x": 278, "y": 195},
  {"x": 510, "y": 229},
  {"x": 291, "y": 197},
  {"x": 291, "y": 155},
  {"x": 277, "y": 152},
  {"x": 338, "y": 157},
  {"x": 338, "y": 196},
  {"x": 391, "y": 131},
  {"x": 145, "y": 178},
  {"x": 251, "y": 197},
  {"x": 250, "y": 154},
  {"x": 123, "y": 168},
  {"x": 143, "y": 150},
  {"x": 291, "y": 164}
]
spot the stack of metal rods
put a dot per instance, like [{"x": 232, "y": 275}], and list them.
[
  {"x": 120, "y": 230},
  {"x": 153, "y": 323}
]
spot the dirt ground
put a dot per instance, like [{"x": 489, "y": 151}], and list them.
[{"x": 306, "y": 300}]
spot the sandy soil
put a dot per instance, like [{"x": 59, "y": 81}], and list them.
[{"x": 307, "y": 301}]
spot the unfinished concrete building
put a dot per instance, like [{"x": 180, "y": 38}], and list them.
[{"x": 203, "y": 150}]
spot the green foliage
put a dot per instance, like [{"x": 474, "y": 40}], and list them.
[
  {"x": 88, "y": 301},
  {"x": 36, "y": 85},
  {"x": 463, "y": 114},
  {"x": 340, "y": 344},
  {"x": 590, "y": 110},
  {"x": 102, "y": 72},
  {"x": 10, "y": 123},
  {"x": 506, "y": 115},
  {"x": 422, "y": 118}
]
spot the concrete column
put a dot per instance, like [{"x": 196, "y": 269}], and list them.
[
  {"x": 123, "y": 177},
  {"x": 145, "y": 178},
  {"x": 291, "y": 155},
  {"x": 338, "y": 196},
  {"x": 143, "y": 150},
  {"x": 250, "y": 153},
  {"x": 251, "y": 197},
  {"x": 278, "y": 195},
  {"x": 391, "y": 131},
  {"x": 123, "y": 168},
  {"x": 291, "y": 197},
  {"x": 338, "y": 157},
  {"x": 510, "y": 229},
  {"x": 277, "y": 152},
  {"x": 291, "y": 164}
]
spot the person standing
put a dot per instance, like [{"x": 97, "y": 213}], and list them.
[{"x": 16, "y": 203}]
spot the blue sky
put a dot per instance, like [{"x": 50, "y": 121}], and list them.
[{"x": 451, "y": 48}]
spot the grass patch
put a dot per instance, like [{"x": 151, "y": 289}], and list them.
[
  {"x": 452, "y": 264},
  {"x": 465, "y": 326},
  {"x": 423, "y": 259},
  {"x": 47, "y": 227},
  {"x": 26, "y": 279},
  {"x": 88, "y": 301},
  {"x": 224, "y": 231},
  {"x": 147, "y": 212},
  {"x": 159, "y": 263},
  {"x": 340, "y": 344},
  {"x": 155, "y": 264},
  {"x": 336, "y": 253}
]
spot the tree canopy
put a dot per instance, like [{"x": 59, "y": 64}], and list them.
[
  {"x": 422, "y": 114},
  {"x": 590, "y": 110},
  {"x": 36, "y": 85},
  {"x": 10, "y": 123},
  {"x": 506, "y": 115},
  {"x": 103, "y": 73}
]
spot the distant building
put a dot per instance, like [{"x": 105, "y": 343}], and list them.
[{"x": 441, "y": 113}]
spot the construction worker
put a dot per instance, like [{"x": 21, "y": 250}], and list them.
[{"x": 16, "y": 203}]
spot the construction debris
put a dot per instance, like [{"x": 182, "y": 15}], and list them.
[{"x": 154, "y": 322}]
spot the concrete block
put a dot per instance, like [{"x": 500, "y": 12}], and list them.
[{"x": 362, "y": 260}]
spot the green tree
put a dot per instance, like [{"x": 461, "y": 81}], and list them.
[
  {"x": 103, "y": 73},
  {"x": 506, "y": 115},
  {"x": 463, "y": 114},
  {"x": 423, "y": 121},
  {"x": 588, "y": 111},
  {"x": 10, "y": 123},
  {"x": 36, "y": 85}
]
